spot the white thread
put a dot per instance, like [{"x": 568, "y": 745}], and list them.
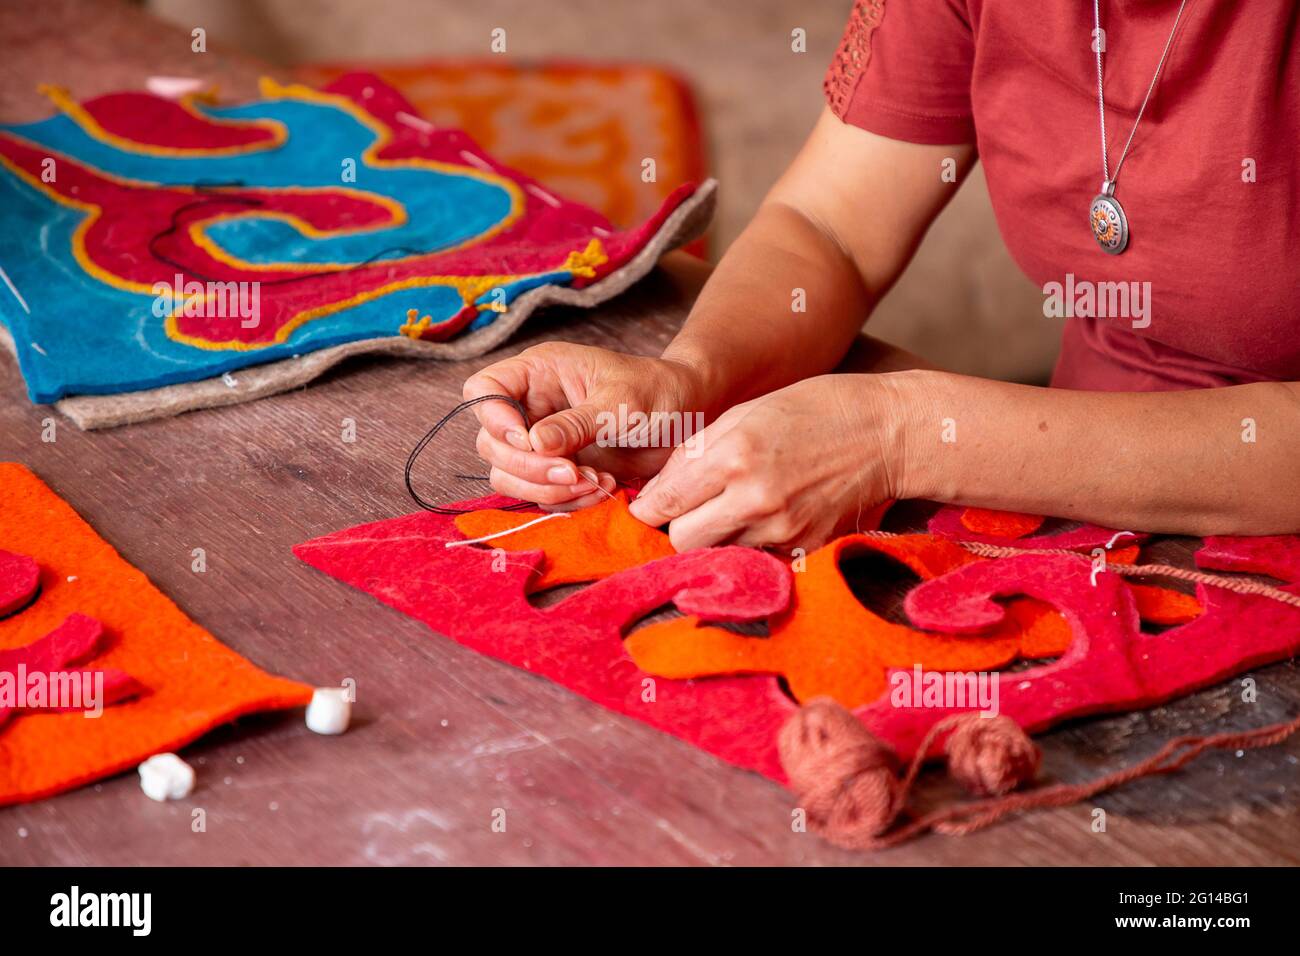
[
  {"x": 14, "y": 289},
  {"x": 544, "y": 196},
  {"x": 500, "y": 534},
  {"x": 415, "y": 122}
]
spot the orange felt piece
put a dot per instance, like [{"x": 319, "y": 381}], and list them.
[
  {"x": 1164, "y": 606},
  {"x": 191, "y": 681},
  {"x": 1003, "y": 524},
  {"x": 828, "y": 644},
  {"x": 588, "y": 545}
]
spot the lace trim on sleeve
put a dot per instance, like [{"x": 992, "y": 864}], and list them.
[{"x": 853, "y": 54}]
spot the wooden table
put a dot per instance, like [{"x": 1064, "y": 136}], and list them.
[{"x": 442, "y": 736}]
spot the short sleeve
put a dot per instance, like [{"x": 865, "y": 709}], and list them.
[{"x": 903, "y": 70}]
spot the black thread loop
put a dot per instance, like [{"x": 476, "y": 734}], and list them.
[{"x": 433, "y": 433}]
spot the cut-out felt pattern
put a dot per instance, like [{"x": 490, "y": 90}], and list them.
[
  {"x": 1109, "y": 665},
  {"x": 827, "y": 644},
  {"x": 147, "y": 271},
  {"x": 188, "y": 681},
  {"x": 577, "y": 641}
]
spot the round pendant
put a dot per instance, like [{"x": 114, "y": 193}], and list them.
[{"x": 1109, "y": 224}]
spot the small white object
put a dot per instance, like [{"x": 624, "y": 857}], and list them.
[
  {"x": 173, "y": 87},
  {"x": 166, "y": 777},
  {"x": 229, "y": 379},
  {"x": 330, "y": 711}
]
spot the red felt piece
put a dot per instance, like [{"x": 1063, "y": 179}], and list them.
[
  {"x": 578, "y": 642},
  {"x": 1110, "y": 665},
  {"x": 955, "y": 522},
  {"x": 20, "y": 577},
  {"x": 1276, "y": 555},
  {"x": 75, "y": 639}
]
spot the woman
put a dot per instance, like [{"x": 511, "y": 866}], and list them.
[{"x": 1178, "y": 411}]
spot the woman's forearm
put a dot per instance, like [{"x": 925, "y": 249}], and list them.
[
  {"x": 784, "y": 304},
  {"x": 1213, "y": 461},
  {"x": 834, "y": 234}
]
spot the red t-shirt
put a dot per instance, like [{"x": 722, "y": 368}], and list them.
[{"x": 1211, "y": 186}]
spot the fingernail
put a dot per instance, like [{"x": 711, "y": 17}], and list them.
[
  {"x": 550, "y": 436},
  {"x": 561, "y": 475},
  {"x": 519, "y": 438},
  {"x": 590, "y": 475}
]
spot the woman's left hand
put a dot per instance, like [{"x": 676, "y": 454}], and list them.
[{"x": 792, "y": 468}]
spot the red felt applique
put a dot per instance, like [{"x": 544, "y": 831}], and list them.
[
  {"x": 48, "y": 659},
  {"x": 20, "y": 578}
]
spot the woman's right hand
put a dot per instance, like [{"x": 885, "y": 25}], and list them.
[{"x": 573, "y": 394}]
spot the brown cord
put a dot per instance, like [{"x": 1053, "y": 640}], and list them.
[
  {"x": 1236, "y": 585},
  {"x": 845, "y": 780},
  {"x": 845, "y": 777}
]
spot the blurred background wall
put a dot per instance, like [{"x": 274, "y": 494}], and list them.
[{"x": 963, "y": 302}]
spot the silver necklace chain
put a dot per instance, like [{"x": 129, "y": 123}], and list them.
[{"x": 1109, "y": 182}]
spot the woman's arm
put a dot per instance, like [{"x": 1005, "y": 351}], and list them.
[
  {"x": 1208, "y": 461},
  {"x": 801, "y": 465},
  {"x": 840, "y": 225},
  {"x": 832, "y": 237}
]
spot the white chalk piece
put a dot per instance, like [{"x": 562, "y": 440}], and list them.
[
  {"x": 166, "y": 777},
  {"x": 329, "y": 711}
]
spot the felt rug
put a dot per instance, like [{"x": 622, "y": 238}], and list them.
[
  {"x": 583, "y": 130},
  {"x": 185, "y": 246},
  {"x": 70, "y": 604},
  {"x": 730, "y": 692}
]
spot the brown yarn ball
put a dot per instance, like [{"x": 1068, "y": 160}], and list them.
[
  {"x": 844, "y": 776},
  {"x": 991, "y": 756}
]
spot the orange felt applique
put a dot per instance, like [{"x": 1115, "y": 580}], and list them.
[
  {"x": 588, "y": 545},
  {"x": 1003, "y": 524},
  {"x": 191, "y": 682},
  {"x": 828, "y": 644}
]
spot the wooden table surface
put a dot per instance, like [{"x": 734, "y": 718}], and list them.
[{"x": 443, "y": 737}]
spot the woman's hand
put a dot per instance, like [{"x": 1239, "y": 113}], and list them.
[
  {"x": 793, "y": 468},
  {"x": 573, "y": 394}
]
